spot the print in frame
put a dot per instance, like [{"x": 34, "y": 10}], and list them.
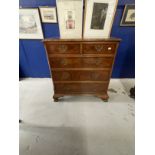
[
  {"x": 99, "y": 15},
  {"x": 128, "y": 18},
  {"x": 70, "y": 13},
  {"x": 48, "y": 14},
  {"x": 70, "y": 20},
  {"x": 29, "y": 24}
]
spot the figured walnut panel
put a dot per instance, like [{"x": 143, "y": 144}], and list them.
[
  {"x": 82, "y": 75},
  {"x": 78, "y": 62},
  {"x": 99, "y": 48},
  {"x": 63, "y": 48},
  {"x": 66, "y": 88}
]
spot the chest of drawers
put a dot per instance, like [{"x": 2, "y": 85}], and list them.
[{"x": 81, "y": 67}]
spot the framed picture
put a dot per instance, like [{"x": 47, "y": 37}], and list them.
[
  {"x": 48, "y": 14},
  {"x": 70, "y": 13},
  {"x": 99, "y": 16},
  {"x": 29, "y": 24},
  {"x": 128, "y": 18}
]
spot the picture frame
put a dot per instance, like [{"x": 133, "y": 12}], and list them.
[
  {"x": 29, "y": 24},
  {"x": 70, "y": 17},
  {"x": 48, "y": 14},
  {"x": 128, "y": 17},
  {"x": 98, "y": 18}
]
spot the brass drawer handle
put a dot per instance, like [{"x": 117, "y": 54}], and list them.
[
  {"x": 67, "y": 88},
  {"x": 95, "y": 76},
  {"x": 98, "y": 48},
  {"x": 98, "y": 61},
  {"x": 64, "y": 62},
  {"x": 65, "y": 75},
  {"x": 62, "y": 48}
]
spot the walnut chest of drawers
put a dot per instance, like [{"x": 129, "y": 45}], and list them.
[{"x": 81, "y": 66}]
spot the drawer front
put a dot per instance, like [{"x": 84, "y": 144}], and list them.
[
  {"x": 58, "y": 62},
  {"x": 80, "y": 87},
  {"x": 96, "y": 62},
  {"x": 81, "y": 62},
  {"x": 63, "y": 48},
  {"x": 99, "y": 48},
  {"x": 82, "y": 75}
]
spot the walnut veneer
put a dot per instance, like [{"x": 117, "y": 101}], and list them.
[{"x": 81, "y": 66}]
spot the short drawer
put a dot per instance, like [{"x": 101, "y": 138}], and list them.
[
  {"x": 80, "y": 87},
  {"x": 81, "y": 62},
  {"x": 98, "y": 48},
  {"x": 81, "y": 75},
  {"x": 62, "y": 48}
]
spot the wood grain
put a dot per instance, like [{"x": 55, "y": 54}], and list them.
[{"x": 81, "y": 66}]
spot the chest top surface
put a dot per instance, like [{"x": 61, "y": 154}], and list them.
[{"x": 82, "y": 40}]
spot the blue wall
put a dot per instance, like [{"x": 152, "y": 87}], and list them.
[{"x": 32, "y": 57}]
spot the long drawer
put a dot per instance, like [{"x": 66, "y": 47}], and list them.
[
  {"x": 81, "y": 62},
  {"x": 81, "y": 75},
  {"x": 80, "y": 88}
]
